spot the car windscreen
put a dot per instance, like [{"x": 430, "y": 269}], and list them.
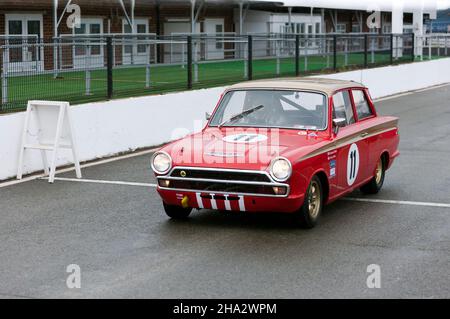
[{"x": 272, "y": 108}]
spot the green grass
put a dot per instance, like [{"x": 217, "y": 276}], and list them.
[{"x": 71, "y": 85}]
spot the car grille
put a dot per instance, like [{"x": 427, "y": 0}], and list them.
[
  {"x": 224, "y": 181},
  {"x": 220, "y": 175}
]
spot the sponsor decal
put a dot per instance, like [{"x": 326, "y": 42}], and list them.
[
  {"x": 332, "y": 168},
  {"x": 332, "y": 155}
]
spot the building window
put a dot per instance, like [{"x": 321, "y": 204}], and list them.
[
  {"x": 341, "y": 28},
  {"x": 219, "y": 32},
  {"x": 28, "y": 30},
  {"x": 88, "y": 27},
  {"x": 356, "y": 28},
  {"x": 140, "y": 27},
  {"x": 318, "y": 28},
  {"x": 300, "y": 28}
]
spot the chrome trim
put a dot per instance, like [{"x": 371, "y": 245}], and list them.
[
  {"x": 271, "y": 165},
  {"x": 210, "y": 169},
  {"x": 225, "y": 193},
  {"x": 223, "y": 181},
  {"x": 272, "y": 184},
  {"x": 153, "y": 167}
]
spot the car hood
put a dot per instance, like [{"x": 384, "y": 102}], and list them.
[{"x": 243, "y": 148}]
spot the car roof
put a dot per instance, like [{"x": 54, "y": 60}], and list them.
[{"x": 328, "y": 86}]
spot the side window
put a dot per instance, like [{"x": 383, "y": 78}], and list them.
[
  {"x": 362, "y": 107},
  {"x": 342, "y": 107}
]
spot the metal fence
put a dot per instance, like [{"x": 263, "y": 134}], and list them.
[{"x": 92, "y": 68}]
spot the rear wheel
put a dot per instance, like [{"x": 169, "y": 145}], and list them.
[
  {"x": 311, "y": 209},
  {"x": 177, "y": 212},
  {"x": 376, "y": 183}
]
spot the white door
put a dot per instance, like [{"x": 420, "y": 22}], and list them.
[
  {"x": 135, "y": 53},
  {"x": 176, "y": 53},
  {"x": 215, "y": 47},
  {"x": 86, "y": 53},
  {"x": 24, "y": 53}
]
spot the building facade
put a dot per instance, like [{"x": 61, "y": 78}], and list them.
[{"x": 35, "y": 21}]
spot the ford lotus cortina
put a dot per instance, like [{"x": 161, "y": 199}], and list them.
[{"x": 288, "y": 145}]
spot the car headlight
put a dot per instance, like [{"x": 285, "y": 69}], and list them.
[
  {"x": 161, "y": 163},
  {"x": 281, "y": 169}
]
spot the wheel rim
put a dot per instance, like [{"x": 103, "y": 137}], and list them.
[
  {"x": 379, "y": 172},
  {"x": 314, "y": 200}
]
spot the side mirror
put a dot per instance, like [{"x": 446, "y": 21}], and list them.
[
  {"x": 338, "y": 123},
  {"x": 208, "y": 116}
]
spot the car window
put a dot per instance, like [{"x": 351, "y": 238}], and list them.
[
  {"x": 272, "y": 108},
  {"x": 235, "y": 102},
  {"x": 362, "y": 107},
  {"x": 342, "y": 107}
]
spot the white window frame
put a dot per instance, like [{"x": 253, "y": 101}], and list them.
[
  {"x": 89, "y": 61},
  {"x": 89, "y": 21},
  {"x": 137, "y": 21},
  {"x": 25, "y": 17}
]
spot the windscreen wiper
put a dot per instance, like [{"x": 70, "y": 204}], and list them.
[{"x": 241, "y": 115}]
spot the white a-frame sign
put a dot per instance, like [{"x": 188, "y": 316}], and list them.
[{"x": 51, "y": 130}]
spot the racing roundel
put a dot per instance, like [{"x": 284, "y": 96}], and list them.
[
  {"x": 245, "y": 138},
  {"x": 352, "y": 164}
]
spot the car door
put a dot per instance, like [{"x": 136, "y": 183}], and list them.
[
  {"x": 351, "y": 149},
  {"x": 365, "y": 116}
]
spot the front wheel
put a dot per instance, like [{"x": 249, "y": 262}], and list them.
[
  {"x": 376, "y": 183},
  {"x": 311, "y": 209},
  {"x": 176, "y": 212}
]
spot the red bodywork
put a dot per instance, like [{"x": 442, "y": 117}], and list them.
[{"x": 311, "y": 153}]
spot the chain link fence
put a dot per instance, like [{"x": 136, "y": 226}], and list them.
[{"x": 92, "y": 68}]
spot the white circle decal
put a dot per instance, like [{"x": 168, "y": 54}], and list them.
[
  {"x": 245, "y": 138},
  {"x": 352, "y": 164}
]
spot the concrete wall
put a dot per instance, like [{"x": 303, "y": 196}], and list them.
[{"x": 107, "y": 128}]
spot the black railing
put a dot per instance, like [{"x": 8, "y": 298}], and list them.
[{"x": 82, "y": 69}]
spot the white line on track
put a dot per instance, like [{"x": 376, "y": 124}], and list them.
[
  {"x": 397, "y": 202},
  {"x": 65, "y": 170},
  {"x": 95, "y": 181},
  {"x": 352, "y": 199}
]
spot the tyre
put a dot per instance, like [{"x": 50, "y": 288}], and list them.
[
  {"x": 376, "y": 183},
  {"x": 177, "y": 212},
  {"x": 308, "y": 215}
]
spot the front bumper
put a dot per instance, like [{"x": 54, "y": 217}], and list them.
[
  {"x": 231, "y": 202},
  {"x": 223, "y": 189}
]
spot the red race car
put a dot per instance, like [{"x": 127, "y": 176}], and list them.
[{"x": 287, "y": 145}]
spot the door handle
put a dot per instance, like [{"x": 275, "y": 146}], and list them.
[{"x": 364, "y": 134}]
